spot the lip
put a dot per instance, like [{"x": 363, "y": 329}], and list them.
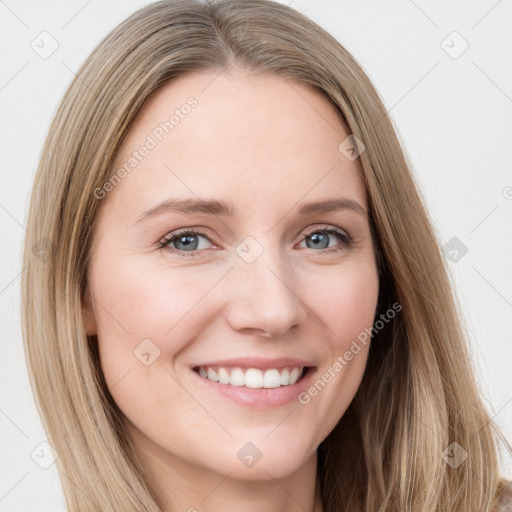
[
  {"x": 257, "y": 362},
  {"x": 260, "y": 398}
]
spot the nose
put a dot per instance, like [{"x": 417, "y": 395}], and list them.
[{"x": 262, "y": 298}]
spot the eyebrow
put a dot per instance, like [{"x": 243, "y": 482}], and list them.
[{"x": 221, "y": 208}]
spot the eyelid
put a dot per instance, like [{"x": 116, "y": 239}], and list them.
[
  {"x": 206, "y": 232},
  {"x": 325, "y": 227},
  {"x": 196, "y": 230},
  {"x": 183, "y": 231}
]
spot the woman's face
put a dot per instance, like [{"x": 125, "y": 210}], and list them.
[{"x": 246, "y": 292}]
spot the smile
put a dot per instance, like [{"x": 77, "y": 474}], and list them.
[{"x": 252, "y": 377}]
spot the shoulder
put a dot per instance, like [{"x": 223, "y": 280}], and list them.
[{"x": 503, "y": 497}]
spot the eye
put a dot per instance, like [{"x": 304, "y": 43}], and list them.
[
  {"x": 319, "y": 238},
  {"x": 184, "y": 241},
  {"x": 187, "y": 242}
]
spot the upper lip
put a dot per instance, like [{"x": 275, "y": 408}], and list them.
[{"x": 257, "y": 362}]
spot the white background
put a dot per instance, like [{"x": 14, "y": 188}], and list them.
[{"x": 453, "y": 116}]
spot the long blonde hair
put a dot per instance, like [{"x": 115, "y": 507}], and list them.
[{"x": 418, "y": 394}]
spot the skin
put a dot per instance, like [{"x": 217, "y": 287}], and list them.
[{"x": 266, "y": 145}]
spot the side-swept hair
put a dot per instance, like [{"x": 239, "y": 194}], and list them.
[{"x": 418, "y": 394}]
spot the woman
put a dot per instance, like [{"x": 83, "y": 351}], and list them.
[{"x": 243, "y": 304}]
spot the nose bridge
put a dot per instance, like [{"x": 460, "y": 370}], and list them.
[{"x": 262, "y": 294}]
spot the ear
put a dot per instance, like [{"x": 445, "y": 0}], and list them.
[{"x": 89, "y": 312}]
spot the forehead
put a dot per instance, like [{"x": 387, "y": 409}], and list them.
[{"x": 236, "y": 134}]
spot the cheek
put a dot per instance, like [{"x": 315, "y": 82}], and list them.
[
  {"x": 135, "y": 301},
  {"x": 347, "y": 303},
  {"x": 172, "y": 306},
  {"x": 142, "y": 317},
  {"x": 141, "y": 309}
]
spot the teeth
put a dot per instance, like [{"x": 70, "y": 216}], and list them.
[
  {"x": 212, "y": 375},
  {"x": 271, "y": 379},
  {"x": 294, "y": 375},
  {"x": 253, "y": 377},
  {"x": 223, "y": 376},
  {"x": 237, "y": 377}
]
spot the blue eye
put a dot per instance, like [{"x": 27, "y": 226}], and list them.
[
  {"x": 186, "y": 243},
  {"x": 319, "y": 237},
  {"x": 186, "y": 240}
]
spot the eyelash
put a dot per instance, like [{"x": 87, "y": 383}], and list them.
[{"x": 346, "y": 240}]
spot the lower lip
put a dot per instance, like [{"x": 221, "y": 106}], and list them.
[{"x": 261, "y": 398}]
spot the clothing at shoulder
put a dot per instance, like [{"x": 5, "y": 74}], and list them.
[{"x": 504, "y": 503}]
